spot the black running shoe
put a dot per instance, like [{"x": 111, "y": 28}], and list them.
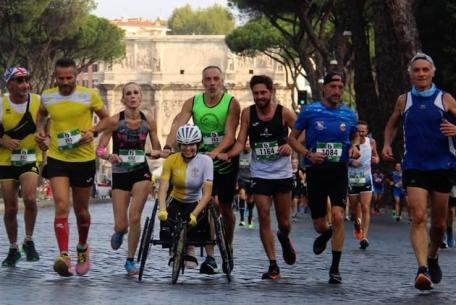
[
  {"x": 335, "y": 278},
  {"x": 30, "y": 252},
  {"x": 434, "y": 270},
  {"x": 423, "y": 279},
  {"x": 209, "y": 266},
  {"x": 273, "y": 273},
  {"x": 288, "y": 251},
  {"x": 320, "y": 242},
  {"x": 12, "y": 258},
  {"x": 363, "y": 244}
]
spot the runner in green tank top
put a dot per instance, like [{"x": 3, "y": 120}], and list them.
[{"x": 216, "y": 113}]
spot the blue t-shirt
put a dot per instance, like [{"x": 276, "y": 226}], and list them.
[{"x": 327, "y": 130}]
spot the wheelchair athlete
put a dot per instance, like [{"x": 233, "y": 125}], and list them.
[{"x": 191, "y": 174}]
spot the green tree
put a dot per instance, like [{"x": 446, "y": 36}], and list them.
[
  {"x": 259, "y": 36},
  {"x": 36, "y": 33},
  {"x": 214, "y": 20}
]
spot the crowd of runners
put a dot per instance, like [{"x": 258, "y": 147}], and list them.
[{"x": 321, "y": 161}]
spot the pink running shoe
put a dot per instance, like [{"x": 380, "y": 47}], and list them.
[
  {"x": 83, "y": 264},
  {"x": 62, "y": 265}
]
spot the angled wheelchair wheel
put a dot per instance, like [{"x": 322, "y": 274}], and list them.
[
  {"x": 222, "y": 244},
  {"x": 146, "y": 240},
  {"x": 178, "y": 252},
  {"x": 143, "y": 238}
]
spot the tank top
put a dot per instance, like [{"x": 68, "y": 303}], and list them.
[
  {"x": 129, "y": 145},
  {"x": 265, "y": 139},
  {"x": 425, "y": 147},
  {"x": 211, "y": 120},
  {"x": 362, "y": 174}
]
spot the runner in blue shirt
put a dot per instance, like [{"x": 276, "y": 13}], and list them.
[{"x": 331, "y": 139}]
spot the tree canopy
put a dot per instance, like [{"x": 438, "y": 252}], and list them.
[
  {"x": 214, "y": 20},
  {"x": 35, "y": 33}
]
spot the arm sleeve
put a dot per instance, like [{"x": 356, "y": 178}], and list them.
[
  {"x": 166, "y": 171},
  {"x": 208, "y": 174}
]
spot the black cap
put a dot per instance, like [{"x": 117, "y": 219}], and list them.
[{"x": 333, "y": 76}]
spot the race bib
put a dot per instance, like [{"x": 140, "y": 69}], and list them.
[
  {"x": 68, "y": 139},
  {"x": 212, "y": 139},
  {"x": 357, "y": 179},
  {"x": 132, "y": 157},
  {"x": 244, "y": 163},
  {"x": 267, "y": 151},
  {"x": 332, "y": 151},
  {"x": 21, "y": 157}
]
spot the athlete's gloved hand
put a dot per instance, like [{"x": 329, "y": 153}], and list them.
[
  {"x": 193, "y": 220},
  {"x": 162, "y": 215}
]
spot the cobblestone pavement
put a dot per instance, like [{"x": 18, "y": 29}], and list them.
[{"x": 383, "y": 274}]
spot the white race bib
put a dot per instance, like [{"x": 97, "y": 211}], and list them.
[
  {"x": 267, "y": 151},
  {"x": 68, "y": 139},
  {"x": 21, "y": 157},
  {"x": 332, "y": 151},
  {"x": 132, "y": 157}
]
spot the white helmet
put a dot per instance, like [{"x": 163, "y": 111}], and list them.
[{"x": 189, "y": 134}]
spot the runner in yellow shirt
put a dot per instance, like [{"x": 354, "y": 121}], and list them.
[
  {"x": 71, "y": 157},
  {"x": 18, "y": 160}
]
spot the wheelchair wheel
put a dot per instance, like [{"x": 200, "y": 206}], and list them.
[
  {"x": 143, "y": 238},
  {"x": 220, "y": 239},
  {"x": 146, "y": 240},
  {"x": 178, "y": 252}
]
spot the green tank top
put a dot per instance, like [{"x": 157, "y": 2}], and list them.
[{"x": 212, "y": 121}]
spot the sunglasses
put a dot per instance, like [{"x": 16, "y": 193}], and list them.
[{"x": 21, "y": 79}]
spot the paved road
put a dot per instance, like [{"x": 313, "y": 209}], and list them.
[{"x": 381, "y": 275}]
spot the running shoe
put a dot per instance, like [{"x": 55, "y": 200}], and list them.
[
  {"x": 83, "y": 262},
  {"x": 398, "y": 218},
  {"x": 131, "y": 267},
  {"x": 358, "y": 231},
  {"x": 12, "y": 258},
  {"x": 443, "y": 245},
  {"x": 190, "y": 261},
  {"x": 288, "y": 251},
  {"x": 62, "y": 265},
  {"x": 116, "y": 240},
  {"x": 434, "y": 270},
  {"x": 334, "y": 277},
  {"x": 363, "y": 244},
  {"x": 393, "y": 213},
  {"x": 30, "y": 252},
  {"x": 423, "y": 279},
  {"x": 273, "y": 273},
  {"x": 250, "y": 226},
  {"x": 319, "y": 244},
  {"x": 242, "y": 223},
  {"x": 209, "y": 266}
]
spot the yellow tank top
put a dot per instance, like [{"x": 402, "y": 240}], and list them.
[{"x": 10, "y": 117}]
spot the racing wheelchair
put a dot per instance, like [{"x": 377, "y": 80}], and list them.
[{"x": 178, "y": 238}]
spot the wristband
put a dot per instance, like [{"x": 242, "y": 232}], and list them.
[
  {"x": 94, "y": 132},
  {"x": 101, "y": 151},
  {"x": 307, "y": 155}
]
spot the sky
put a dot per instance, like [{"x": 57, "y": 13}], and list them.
[{"x": 149, "y": 9}]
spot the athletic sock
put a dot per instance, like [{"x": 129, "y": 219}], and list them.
[
  {"x": 241, "y": 208},
  {"x": 335, "y": 261},
  {"x": 250, "y": 209},
  {"x": 83, "y": 229},
  {"x": 62, "y": 231}
]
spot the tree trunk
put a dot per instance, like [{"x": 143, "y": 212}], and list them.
[{"x": 393, "y": 51}]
